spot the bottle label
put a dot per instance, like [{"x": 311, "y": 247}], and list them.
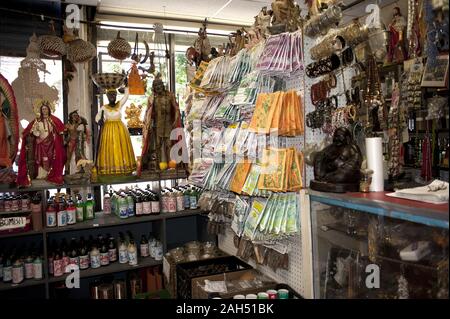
[
  {"x": 112, "y": 253},
  {"x": 74, "y": 261},
  {"x": 172, "y": 205},
  {"x": 71, "y": 216},
  {"x": 29, "y": 270},
  {"x": 158, "y": 252},
  {"x": 123, "y": 213},
  {"x": 89, "y": 212},
  {"x": 80, "y": 211},
  {"x": 62, "y": 218},
  {"x": 95, "y": 261},
  {"x": 139, "y": 209},
  {"x": 132, "y": 258},
  {"x": 146, "y": 208},
  {"x": 155, "y": 207},
  {"x": 193, "y": 201},
  {"x": 84, "y": 262},
  {"x": 130, "y": 211},
  {"x": 7, "y": 274},
  {"x": 66, "y": 261},
  {"x": 107, "y": 206},
  {"x": 58, "y": 269},
  {"x": 180, "y": 203},
  {"x": 37, "y": 270},
  {"x": 165, "y": 204},
  {"x": 17, "y": 274},
  {"x": 25, "y": 203},
  {"x": 104, "y": 259},
  {"x": 144, "y": 250},
  {"x": 123, "y": 256},
  {"x": 35, "y": 208},
  {"x": 51, "y": 219},
  {"x": 51, "y": 268},
  {"x": 187, "y": 201}
]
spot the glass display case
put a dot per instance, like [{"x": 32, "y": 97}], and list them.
[{"x": 374, "y": 246}]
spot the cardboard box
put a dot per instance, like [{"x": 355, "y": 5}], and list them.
[{"x": 241, "y": 282}]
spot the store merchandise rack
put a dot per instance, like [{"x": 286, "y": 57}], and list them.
[{"x": 100, "y": 221}]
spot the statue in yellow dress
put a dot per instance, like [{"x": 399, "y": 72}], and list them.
[{"x": 115, "y": 151}]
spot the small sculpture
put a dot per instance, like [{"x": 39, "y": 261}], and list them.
[
  {"x": 396, "y": 51},
  {"x": 133, "y": 115},
  {"x": 136, "y": 81},
  {"x": 77, "y": 136},
  {"x": 285, "y": 16},
  {"x": 202, "y": 45},
  {"x": 337, "y": 166},
  {"x": 161, "y": 117},
  {"x": 42, "y": 155},
  {"x": 115, "y": 155},
  {"x": 262, "y": 22}
]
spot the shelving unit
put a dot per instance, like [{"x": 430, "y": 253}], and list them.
[{"x": 99, "y": 222}]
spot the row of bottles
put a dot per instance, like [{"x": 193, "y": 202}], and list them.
[
  {"x": 10, "y": 202},
  {"x": 131, "y": 202},
  {"x": 102, "y": 251},
  {"x": 179, "y": 198},
  {"x": 17, "y": 265},
  {"x": 62, "y": 210}
]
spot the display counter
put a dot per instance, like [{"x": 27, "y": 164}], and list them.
[{"x": 375, "y": 246}]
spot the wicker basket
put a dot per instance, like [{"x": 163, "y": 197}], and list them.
[
  {"x": 108, "y": 80},
  {"x": 80, "y": 51},
  {"x": 119, "y": 48},
  {"x": 52, "y": 46}
]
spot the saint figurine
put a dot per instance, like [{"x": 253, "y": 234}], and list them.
[
  {"x": 396, "y": 51},
  {"x": 42, "y": 155},
  {"x": 77, "y": 135},
  {"x": 115, "y": 155},
  {"x": 162, "y": 116}
]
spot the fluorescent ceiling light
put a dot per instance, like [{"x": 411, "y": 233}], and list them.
[{"x": 223, "y": 7}]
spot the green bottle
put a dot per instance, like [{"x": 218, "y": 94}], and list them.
[
  {"x": 80, "y": 208},
  {"x": 89, "y": 207}
]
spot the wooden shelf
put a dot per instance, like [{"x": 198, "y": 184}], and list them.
[
  {"x": 15, "y": 212},
  {"x": 28, "y": 233},
  {"x": 103, "y": 220},
  {"x": 25, "y": 283},
  {"x": 110, "y": 269}
]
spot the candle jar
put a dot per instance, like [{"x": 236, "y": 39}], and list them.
[{"x": 366, "y": 180}]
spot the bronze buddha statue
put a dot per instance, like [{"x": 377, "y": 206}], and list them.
[{"x": 337, "y": 166}]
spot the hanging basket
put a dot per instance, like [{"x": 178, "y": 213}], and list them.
[
  {"x": 52, "y": 46},
  {"x": 119, "y": 48},
  {"x": 80, "y": 51}
]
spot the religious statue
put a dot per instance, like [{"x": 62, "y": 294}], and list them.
[
  {"x": 9, "y": 124},
  {"x": 77, "y": 135},
  {"x": 42, "y": 155},
  {"x": 161, "y": 117},
  {"x": 396, "y": 51},
  {"x": 285, "y": 16},
  {"x": 337, "y": 167},
  {"x": 115, "y": 155},
  {"x": 262, "y": 22},
  {"x": 133, "y": 115},
  {"x": 202, "y": 45},
  {"x": 136, "y": 81}
]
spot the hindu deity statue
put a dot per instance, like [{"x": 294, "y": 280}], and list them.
[{"x": 77, "y": 136}]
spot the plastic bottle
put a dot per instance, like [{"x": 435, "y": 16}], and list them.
[
  {"x": 83, "y": 255},
  {"x": 80, "y": 209},
  {"x": 104, "y": 254},
  {"x": 37, "y": 268},
  {"x": 130, "y": 202},
  {"x": 132, "y": 253},
  {"x": 89, "y": 207},
  {"x": 144, "y": 250},
  {"x": 180, "y": 200},
  {"x": 112, "y": 250},
  {"x": 123, "y": 252},
  {"x": 61, "y": 215},
  {"x": 123, "y": 207},
  {"x": 155, "y": 203},
  {"x": 50, "y": 214},
  {"x": 95, "y": 257},
  {"x": 139, "y": 205},
  {"x": 71, "y": 212},
  {"x": 107, "y": 204},
  {"x": 193, "y": 199}
]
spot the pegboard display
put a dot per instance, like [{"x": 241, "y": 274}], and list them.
[{"x": 298, "y": 274}]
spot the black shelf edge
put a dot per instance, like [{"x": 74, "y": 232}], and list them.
[
  {"x": 112, "y": 268},
  {"x": 112, "y": 220},
  {"x": 14, "y": 212},
  {"x": 28, "y": 233},
  {"x": 120, "y": 180},
  {"x": 26, "y": 283}
]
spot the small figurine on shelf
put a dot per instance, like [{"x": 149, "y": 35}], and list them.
[
  {"x": 136, "y": 81},
  {"x": 285, "y": 16},
  {"x": 133, "y": 115},
  {"x": 337, "y": 166},
  {"x": 42, "y": 155},
  {"x": 115, "y": 151},
  {"x": 77, "y": 136},
  {"x": 161, "y": 117},
  {"x": 397, "y": 52}
]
